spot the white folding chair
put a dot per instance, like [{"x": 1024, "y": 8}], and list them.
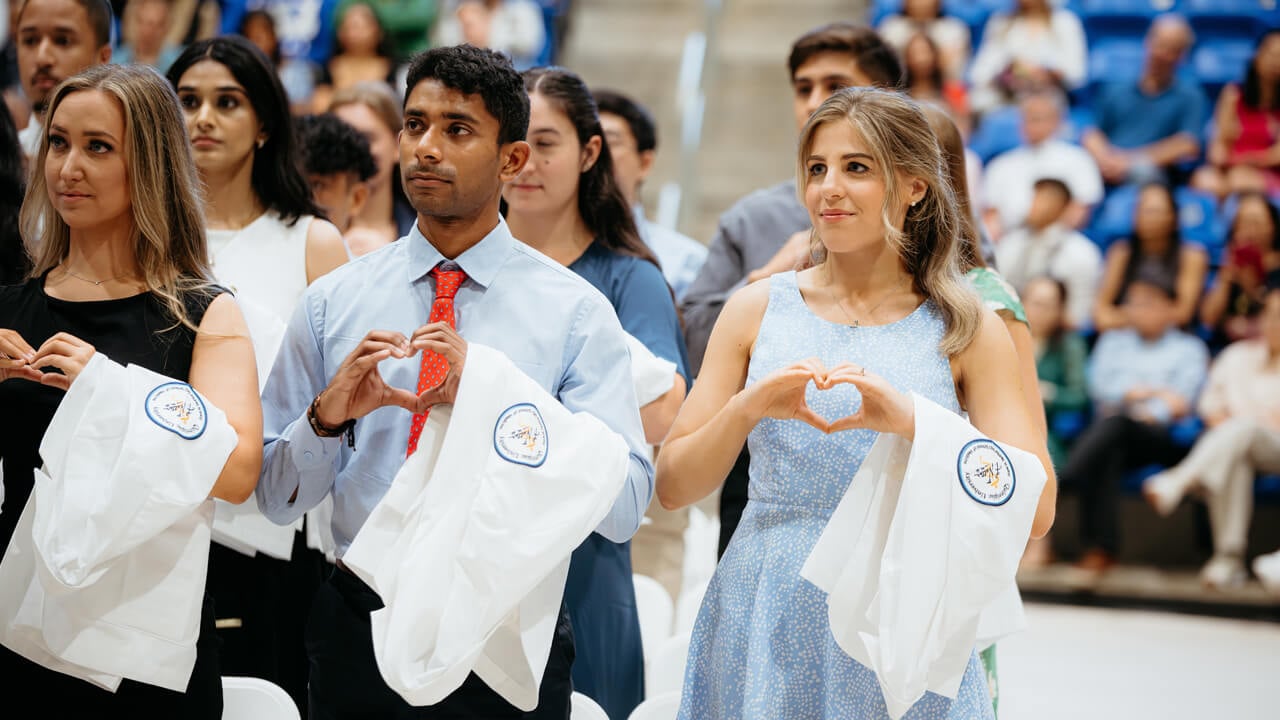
[
  {"x": 663, "y": 707},
  {"x": 688, "y": 605},
  {"x": 250, "y": 698},
  {"x": 582, "y": 707},
  {"x": 664, "y": 673},
  {"x": 656, "y": 610}
]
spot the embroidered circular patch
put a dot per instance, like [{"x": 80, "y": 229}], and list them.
[
  {"x": 520, "y": 435},
  {"x": 177, "y": 408},
  {"x": 985, "y": 472}
]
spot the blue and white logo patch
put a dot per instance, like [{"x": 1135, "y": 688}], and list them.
[
  {"x": 520, "y": 435},
  {"x": 985, "y": 471},
  {"x": 177, "y": 408}
]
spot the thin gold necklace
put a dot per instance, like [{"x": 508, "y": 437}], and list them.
[
  {"x": 82, "y": 278},
  {"x": 840, "y": 303}
]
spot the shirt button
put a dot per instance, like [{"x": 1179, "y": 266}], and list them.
[{"x": 308, "y": 454}]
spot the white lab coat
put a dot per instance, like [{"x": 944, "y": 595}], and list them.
[
  {"x": 469, "y": 549},
  {"x": 104, "y": 576},
  {"x": 926, "y": 539}
]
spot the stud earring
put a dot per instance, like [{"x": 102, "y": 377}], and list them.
[{"x": 261, "y": 142}]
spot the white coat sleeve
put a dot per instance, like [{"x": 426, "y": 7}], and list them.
[
  {"x": 128, "y": 453},
  {"x": 653, "y": 376}
]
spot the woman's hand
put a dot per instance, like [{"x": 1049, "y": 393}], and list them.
[
  {"x": 15, "y": 357},
  {"x": 883, "y": 409},
  {"x": 780, "y": 394},
  {"x": 64, "y": 352}
]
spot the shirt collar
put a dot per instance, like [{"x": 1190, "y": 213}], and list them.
[{"x": 480, "y": 262}]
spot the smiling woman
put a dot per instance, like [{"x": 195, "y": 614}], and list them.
[{"x": 121, "y": 278}]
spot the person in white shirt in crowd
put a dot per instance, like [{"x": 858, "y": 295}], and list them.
[
  {"x": 1010, "y": 175},
  {"x": 57, "y": 39},
  {"x": 950, "y": 34},
  {"x": 513, "y": 27},
  {"x": 633, "y": 141},
  {"x": 1034, "y": 47},
  {"x": 1045, "y": 246},
  {"x": 1241, "y": 407}
]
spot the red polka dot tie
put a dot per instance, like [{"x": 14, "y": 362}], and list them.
[{"x": 448, "y": 277}]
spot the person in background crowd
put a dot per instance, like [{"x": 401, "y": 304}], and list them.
[
  {"x": 632, "y": 137},
  {"x": 1061, "y": 357},
  {"x": 14, "y": 262},
  {"x": 338, "y": 164},
  {"x": 1009, "y": 176},
  {"x": 406, "y": 22},
  {"x": 1045, "y": 246},
  {"x": 926, "y": 81},
  {"x": 514, "y": 27},
  {"x": 267, "y": 245},
  {"x": 363, "y": 54},
  {"x": 566, "y": 204},
  {"x": 771, "y": 220},
  {"x": 372, "y": 109},
  {"x": 466, "y": 117},
  {"x": 1244, "y": 151},
  {"x": 949, "y": 35},
  {"x": 1144, "y": 128},
  {"x": 120, "y": 270},
  {"x": 147, "y": 25},
  {"x": 57, "y": 39},
  {"x": 294, "y": 35},
  {"x": 1240, "y": 407},
  {"x": 1035, "y": 47},
  {"x": 1231, "y": 307},
  {"x": 1156, "y": 246},
  {"x": 1143, "y": 378}
]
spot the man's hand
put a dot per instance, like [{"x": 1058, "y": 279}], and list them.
[
  {"x": 438, "y": 337},
  {"x": 358, "y": 389}
]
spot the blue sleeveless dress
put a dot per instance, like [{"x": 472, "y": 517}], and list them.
[{"x": 762, "y": 647}]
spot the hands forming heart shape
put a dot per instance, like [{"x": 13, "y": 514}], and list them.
[
  {"x": 781, "y": 394},
  {"x": 358, "y": 388},
  {"x": 63, "y": 352}
]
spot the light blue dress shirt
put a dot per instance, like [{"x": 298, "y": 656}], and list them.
[
  {"x": 1122, "y": 360},
  {"x": 551, "y": 323},
  {"x": 680, "y": 256}
]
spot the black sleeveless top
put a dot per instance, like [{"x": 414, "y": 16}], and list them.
[{"x": 135, "y": 329}]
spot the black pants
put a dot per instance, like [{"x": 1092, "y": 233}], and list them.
[
  {"x": 733, "y": 499},
  {"x": 346, "y": 684},
  {"x": 269, "y": 599},
  {"x": 1096, "y": 466},
  {"x": 61, "y": 697}
]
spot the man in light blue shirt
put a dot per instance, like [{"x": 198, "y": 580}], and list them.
[
  {"x": 1143, "y": 379},
  {"x": 633, "y": 142},
  {"x": 352, "y": 355}
]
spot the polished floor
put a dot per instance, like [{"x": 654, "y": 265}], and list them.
[{"x": 1118, "y": 664}]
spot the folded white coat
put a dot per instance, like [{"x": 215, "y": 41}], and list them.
[
  {"x": 104, "y": 577},
  {"x": 469, "y": 548},
  {"x": 652, "y": 376},
  {"x": 925, "y": 540}
]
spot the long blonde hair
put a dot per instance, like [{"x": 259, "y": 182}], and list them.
[
  {"x": 901, "y": 143},
  {"x": 166, "y": 207}
]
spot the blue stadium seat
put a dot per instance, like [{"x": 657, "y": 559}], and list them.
[
  {"x": 998, "y": 131},
  {"x": 1198, "y": 218},
  {"x": 1115, "y": 60},
  {"x": 1113, "y": 219},
  {"x": 1215, "y": 20},
  {"x": 1220, "y": 62},
  {"x": 1124, "y": 19}
]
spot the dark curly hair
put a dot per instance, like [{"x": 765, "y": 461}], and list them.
[
  {"x": 477, "y": 71},
  {"x": 277, "y": 179},
  {"x": 330, "y": 146},
  {"x": 637, "y": 117}
]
